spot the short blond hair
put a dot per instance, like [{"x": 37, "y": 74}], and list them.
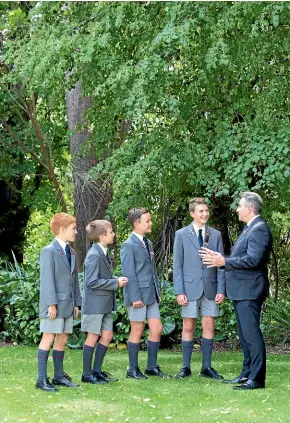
[
  {"x": 96, "y": 228},
  {"x": 196, "y": 202},
  {"x": 60, "y": 220}
]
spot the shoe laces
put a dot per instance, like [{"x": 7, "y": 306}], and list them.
[{"x": 67, "y": 376}]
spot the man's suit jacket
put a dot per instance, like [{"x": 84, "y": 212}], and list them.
[
  {"x": 99, "y": 283},
  {"x": 58, "y": 281},
  {"x": 190, "y": 276},
  {"x": 246, "y": 268},
  {"x": 139, "y": 267}
]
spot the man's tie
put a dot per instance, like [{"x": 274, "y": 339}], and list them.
[
  {"x": 245, "y": 229},
  {"x": 145, "y": 240},
  {"x": 68, "y": 254},
  {"x": 200, "y": 238},
  {"x": 108, "y": 258}
]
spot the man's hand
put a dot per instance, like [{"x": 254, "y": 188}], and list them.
[
  {"x": 122, "y": 281},
  {"x": 76, "y": 312},
  {"x": 182, "y": 299},
  {"x": 137, "y": 304},
  {"x": 219, "y": 298},
  {"x": 211, "y": 258},
  {"x": 52, "y": 311}
]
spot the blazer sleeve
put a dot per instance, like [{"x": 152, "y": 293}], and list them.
[
  {"x": 257, "y": 245},
  {"x": 220, "y": 270},
  {"x": 77, "y": 294},
  {"x": 47, "y": 277},
  {"x": 92, "y": 272},
  {"x": 178, "y": 259},
  {"x": 128, "y": 270}
]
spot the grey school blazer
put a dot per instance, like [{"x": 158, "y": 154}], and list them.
[
  {"x": 99, "y": 283},
  {"x": 58, "y": 281},
  {"x": 190, "y": 276},
  {"x": 139, "y": 267}
]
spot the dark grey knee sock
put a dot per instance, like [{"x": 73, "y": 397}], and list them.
[
  {"x": 153, "y": 348},
  {"x": 206, "y": 348},
  {"x": 87, "y": 359},
  {"x": 133, "y": 351},
  {"x": 58, "y": 363},
  {"x": 99, "y": 357},
  {"x": 187, "y": 347},
  {"x": 42, "y": 357}
]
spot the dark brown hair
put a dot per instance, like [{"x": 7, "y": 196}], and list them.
[{"x": 135, "y": 214}]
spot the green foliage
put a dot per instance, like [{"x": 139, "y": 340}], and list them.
[
  {"x": 277, "y": 318},
  {"x": 19, "y": 287}
]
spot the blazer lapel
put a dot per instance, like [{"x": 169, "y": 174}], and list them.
[
  {"x": 107, "y": 262},
  {"x": 244, "y": 232},
  {"x": 61, "y": 252},
  {"x": 192, "y": 236},
  {"x": 73, "y": 260},
  {"x": 207, "y": 238},
  {"x": 140, "y": 245}
]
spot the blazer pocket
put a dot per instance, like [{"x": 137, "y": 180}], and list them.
[
  {"x": 61, "y": 296},
  {"x": 144, "y": 284},
  {"x": 245, "y": 275},
  {"x": 102, "y": 292},
  {"x": 187, "y": 278}
]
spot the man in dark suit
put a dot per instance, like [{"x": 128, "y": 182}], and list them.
[{"x": 247, "y": 284}]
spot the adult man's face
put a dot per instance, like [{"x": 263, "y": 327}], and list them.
[
  {"x": 245, "y": 211},
  {"x": 200, "y": 215}
]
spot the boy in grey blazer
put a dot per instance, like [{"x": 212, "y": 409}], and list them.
[
  {"x": 59, "y": 300},
  {"x": 98, "y": 301},
  {"x": 197, "y": 287},
  {"x": 142, "y": 294}
]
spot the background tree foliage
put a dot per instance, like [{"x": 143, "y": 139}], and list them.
[{"x": 186, "y": 99}]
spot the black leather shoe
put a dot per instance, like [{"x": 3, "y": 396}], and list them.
[
  {"x": 250, "y": 384},
  {"x": 156, "y": 372},
  {"x": 238, "y": 379},
  {"x": 105, "y": 376},
  {"x": 135, "y": 374},
  {"x": 45, "y": 385},
  {"x": 66, "y": 380},
  {"x": 210, "y": 373},
  {"x": 92, "y": 379},
  {"x": 184, "y": 372}
]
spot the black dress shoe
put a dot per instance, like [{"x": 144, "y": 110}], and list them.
[
  {"x": 45, "y": 385},
  {"x": 184, "y": 372},
  {"x": 210, "y": 373},
  {"x": 135, "y": 374},
  {"x": 92, "y": 379},
  {"x": 156, "y": 372},
  {"x": 250, "y": 384},
  {"x": 66, "y": 380},
  {"x": 105, "y": 376},
  {"x": 238, "y": 379}
]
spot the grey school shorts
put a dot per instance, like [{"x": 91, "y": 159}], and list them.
[
  {"x": 57, "y": 325},
  {"x": 207, "y": 308},
  {"x": 95, "y": 323},
  {"x": 141, "y": 314}
]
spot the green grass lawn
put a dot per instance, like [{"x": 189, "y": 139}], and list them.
[{"x": 156, "y": 400}]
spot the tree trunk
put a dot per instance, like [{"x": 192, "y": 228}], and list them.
[{"x": 91, "y": 199}]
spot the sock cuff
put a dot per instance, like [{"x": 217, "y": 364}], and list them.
[
  {"x": 57, "y": 354},
  {"x": 42, "y": 353},
  {"x": 101, "y": 346},
  {"x": 207, "y": 341},
  {"x": 187, "y": 342},
  {"x": 153, "y": 343},
  {"x": 133, "y": 345},
  {"x": 88, "y": 347}
]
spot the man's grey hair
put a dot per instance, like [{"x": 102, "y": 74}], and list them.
[{"x": 253, "y": 199}]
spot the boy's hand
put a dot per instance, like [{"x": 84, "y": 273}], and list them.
[
  {"x": 182, "y": 299},
  {"x": 52, "y": 311},
  {"x": 122, "y": 281},
  {"x": 76, "y": 312},
  {"x": 137, "y": 304}
]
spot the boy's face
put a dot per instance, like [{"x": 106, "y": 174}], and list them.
[
  {"x": 200, "y": 215},
  {"x": 144, "y": 224},
  {"x": 69, "y": 233},
  {"x": 108, "y": 238}
]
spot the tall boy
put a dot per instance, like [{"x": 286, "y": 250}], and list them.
[
  {"x": 98, "y": 301},
  {"x": 142, "y": 294},
  {"x": 197, "y": 287},
  {"x": 59, "y": 300}
]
